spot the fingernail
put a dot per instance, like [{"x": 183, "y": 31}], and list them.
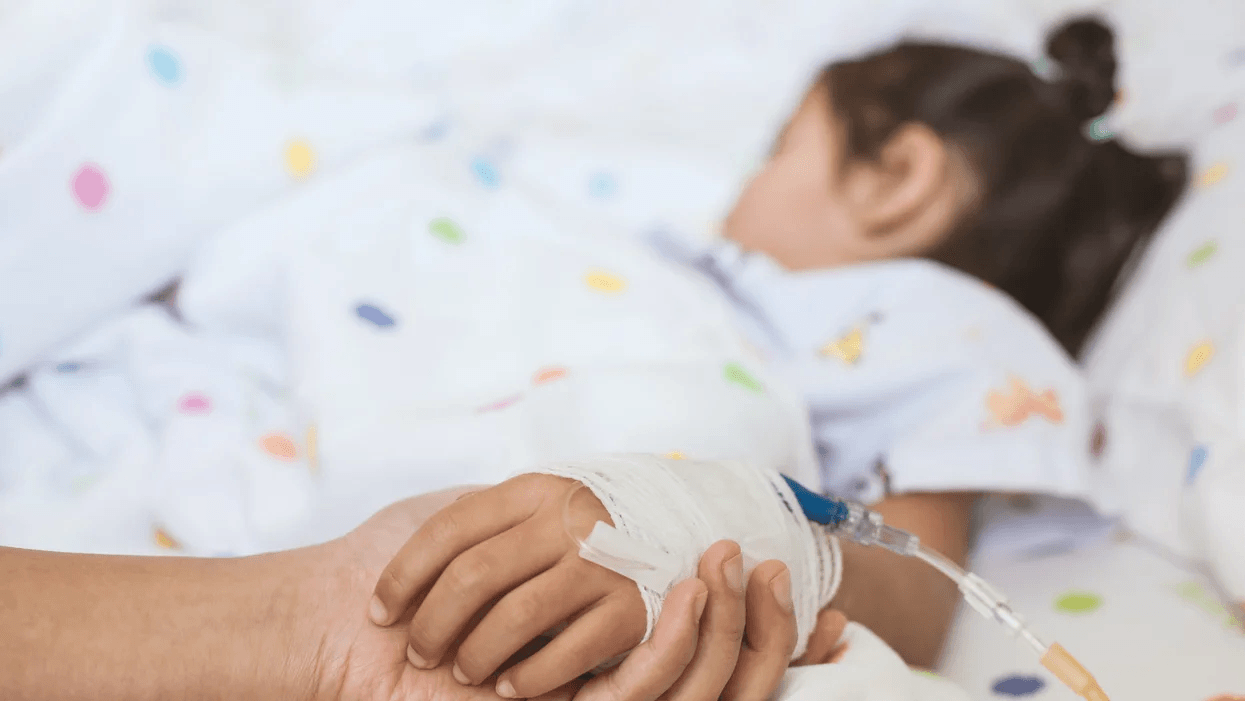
[
  {"x": 698, "y": 607},
  {"x": 505, "y": 689},
  {"x": 781, "y": 586},
  {"x": 733, "y": 571},
  {"x": 377, "y": 612},
  {"x": 416, "y": 659},
  {"x": 459, "y": 676}
]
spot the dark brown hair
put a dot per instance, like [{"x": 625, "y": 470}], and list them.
[{"x": 1059, "y": 215}]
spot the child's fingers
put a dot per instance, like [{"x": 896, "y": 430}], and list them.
[
  {"x": 769, "y": 635},
  {"x": 476, "y": 578},
  {"x": 460, "y": 525},
  {"x": 824, "y": 641},
  {"x": 657, "y": 664},
  {"x": 534, "y": 607},
  {"x": 721, "y": 631},
  {"x": 603, "y": 632}
]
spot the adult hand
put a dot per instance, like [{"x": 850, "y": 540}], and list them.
[
  {"x": 736, "y": 651},
  {"x": 739, "y": 653}
]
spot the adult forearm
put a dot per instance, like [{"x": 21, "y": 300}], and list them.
[{"x": 94, "y": 627}]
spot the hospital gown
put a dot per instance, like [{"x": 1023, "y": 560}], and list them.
[{"x": 918, "y": 378}]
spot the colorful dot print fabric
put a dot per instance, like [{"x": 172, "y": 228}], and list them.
[
  {"x": 1081, "y": 599},
  {"x": 165, "y": 65},
  {"x": 1167, "y": 363},
  {"x": 116, "y": 180},
  {"x": 90, "y": 187},
  {"x": 341, "y": 324},
  {"x": 896, "y": 373}
]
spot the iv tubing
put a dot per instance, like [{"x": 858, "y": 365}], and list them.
[{"x": 853, "y": 522}]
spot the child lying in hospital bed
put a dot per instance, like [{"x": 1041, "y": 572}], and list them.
[{"x": 932, "y": 238}]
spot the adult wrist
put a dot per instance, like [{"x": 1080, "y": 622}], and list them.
[{"x": 290, "y": 598}]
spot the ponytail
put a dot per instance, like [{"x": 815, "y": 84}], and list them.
[
  {"x": 1118, "y": 201},
  {"x": 1060, "y": 215}
]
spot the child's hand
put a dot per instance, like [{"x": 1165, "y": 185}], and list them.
[{"x": 499, "y": 564}]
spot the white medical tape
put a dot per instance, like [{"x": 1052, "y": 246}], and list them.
[{"x": 666, "y": 513}]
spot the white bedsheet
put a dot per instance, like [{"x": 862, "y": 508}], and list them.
[
  {"x": 659, "y": 123},
  {"x": 1147, "y": 627},
  {"x": 394, "y": 330}
]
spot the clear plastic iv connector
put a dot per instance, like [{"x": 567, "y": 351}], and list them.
[{"x": 865, "y": 527}]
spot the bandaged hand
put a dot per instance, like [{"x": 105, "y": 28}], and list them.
[{"x": 496, "y": 570}]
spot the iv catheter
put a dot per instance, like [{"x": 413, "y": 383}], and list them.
[{"x": 853, "y": 522}]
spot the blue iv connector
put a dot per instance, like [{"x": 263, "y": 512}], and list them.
[
  {"x": 816, "y": 508},
  {"x": 852, "y": 521}
]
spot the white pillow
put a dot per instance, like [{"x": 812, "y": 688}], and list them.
[
  {"x": 152, "y": 136},
  {"x": 1180, "y": 65}
]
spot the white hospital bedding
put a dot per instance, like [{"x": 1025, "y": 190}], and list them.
[
  {"x": 78, "y": 441},
  {"x": 1146, "y": 626}
]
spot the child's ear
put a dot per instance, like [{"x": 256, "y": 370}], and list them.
[{"x": 902, "y": 187}]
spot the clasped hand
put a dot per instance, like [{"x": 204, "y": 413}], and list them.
[{"x": 485, "y": 580}]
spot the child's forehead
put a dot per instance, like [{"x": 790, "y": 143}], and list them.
[{"x": 815, "y": 105}]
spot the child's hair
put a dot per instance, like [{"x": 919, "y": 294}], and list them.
[{"x": 1059, "y": 215}]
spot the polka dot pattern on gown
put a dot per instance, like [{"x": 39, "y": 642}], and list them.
[
  {"x": 676, "y": 455},
  {"x": 194, "y": 404},
  {"x": 164, "y": 540},
  {"x": 279, "y": 446},
  {"x": 68, "y": 368},
  {"x": 1018, "y": 685},
  {"x": 1226, "y": 113},
  {"x": 605, "y": 282},
  {"x": 485, "y": 172},
  {"x": 1198, "y": 357},
  {"x": 1213, "y": 174},
  {"x": 1202, "y": 254},
  {"x": 164, "y": 65},
  {"x": 374, "y": 315},
  {"x": 1197, "y": 595},
  {"x": 736, "y": 374},
  {"x": 300, "y": 158},
  {"x": 602, "y": 185},
  {"x": 1078, "y": 603},
  {"x": 1197, "y": 459},
  {"x": 436, "y": 131},
  {"x": 546, "y": 375},
  {"x": 445, "y": 229},
  {"x": 90, "y": 187},
  {"x": 500, "y": 404}
]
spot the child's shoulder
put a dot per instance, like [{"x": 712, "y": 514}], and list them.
[{"x": 949, "y": 313}]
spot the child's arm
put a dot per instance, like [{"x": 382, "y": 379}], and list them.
[
  {"x": 498, "y": 566},
  {"x": 904, "y": 601}
]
